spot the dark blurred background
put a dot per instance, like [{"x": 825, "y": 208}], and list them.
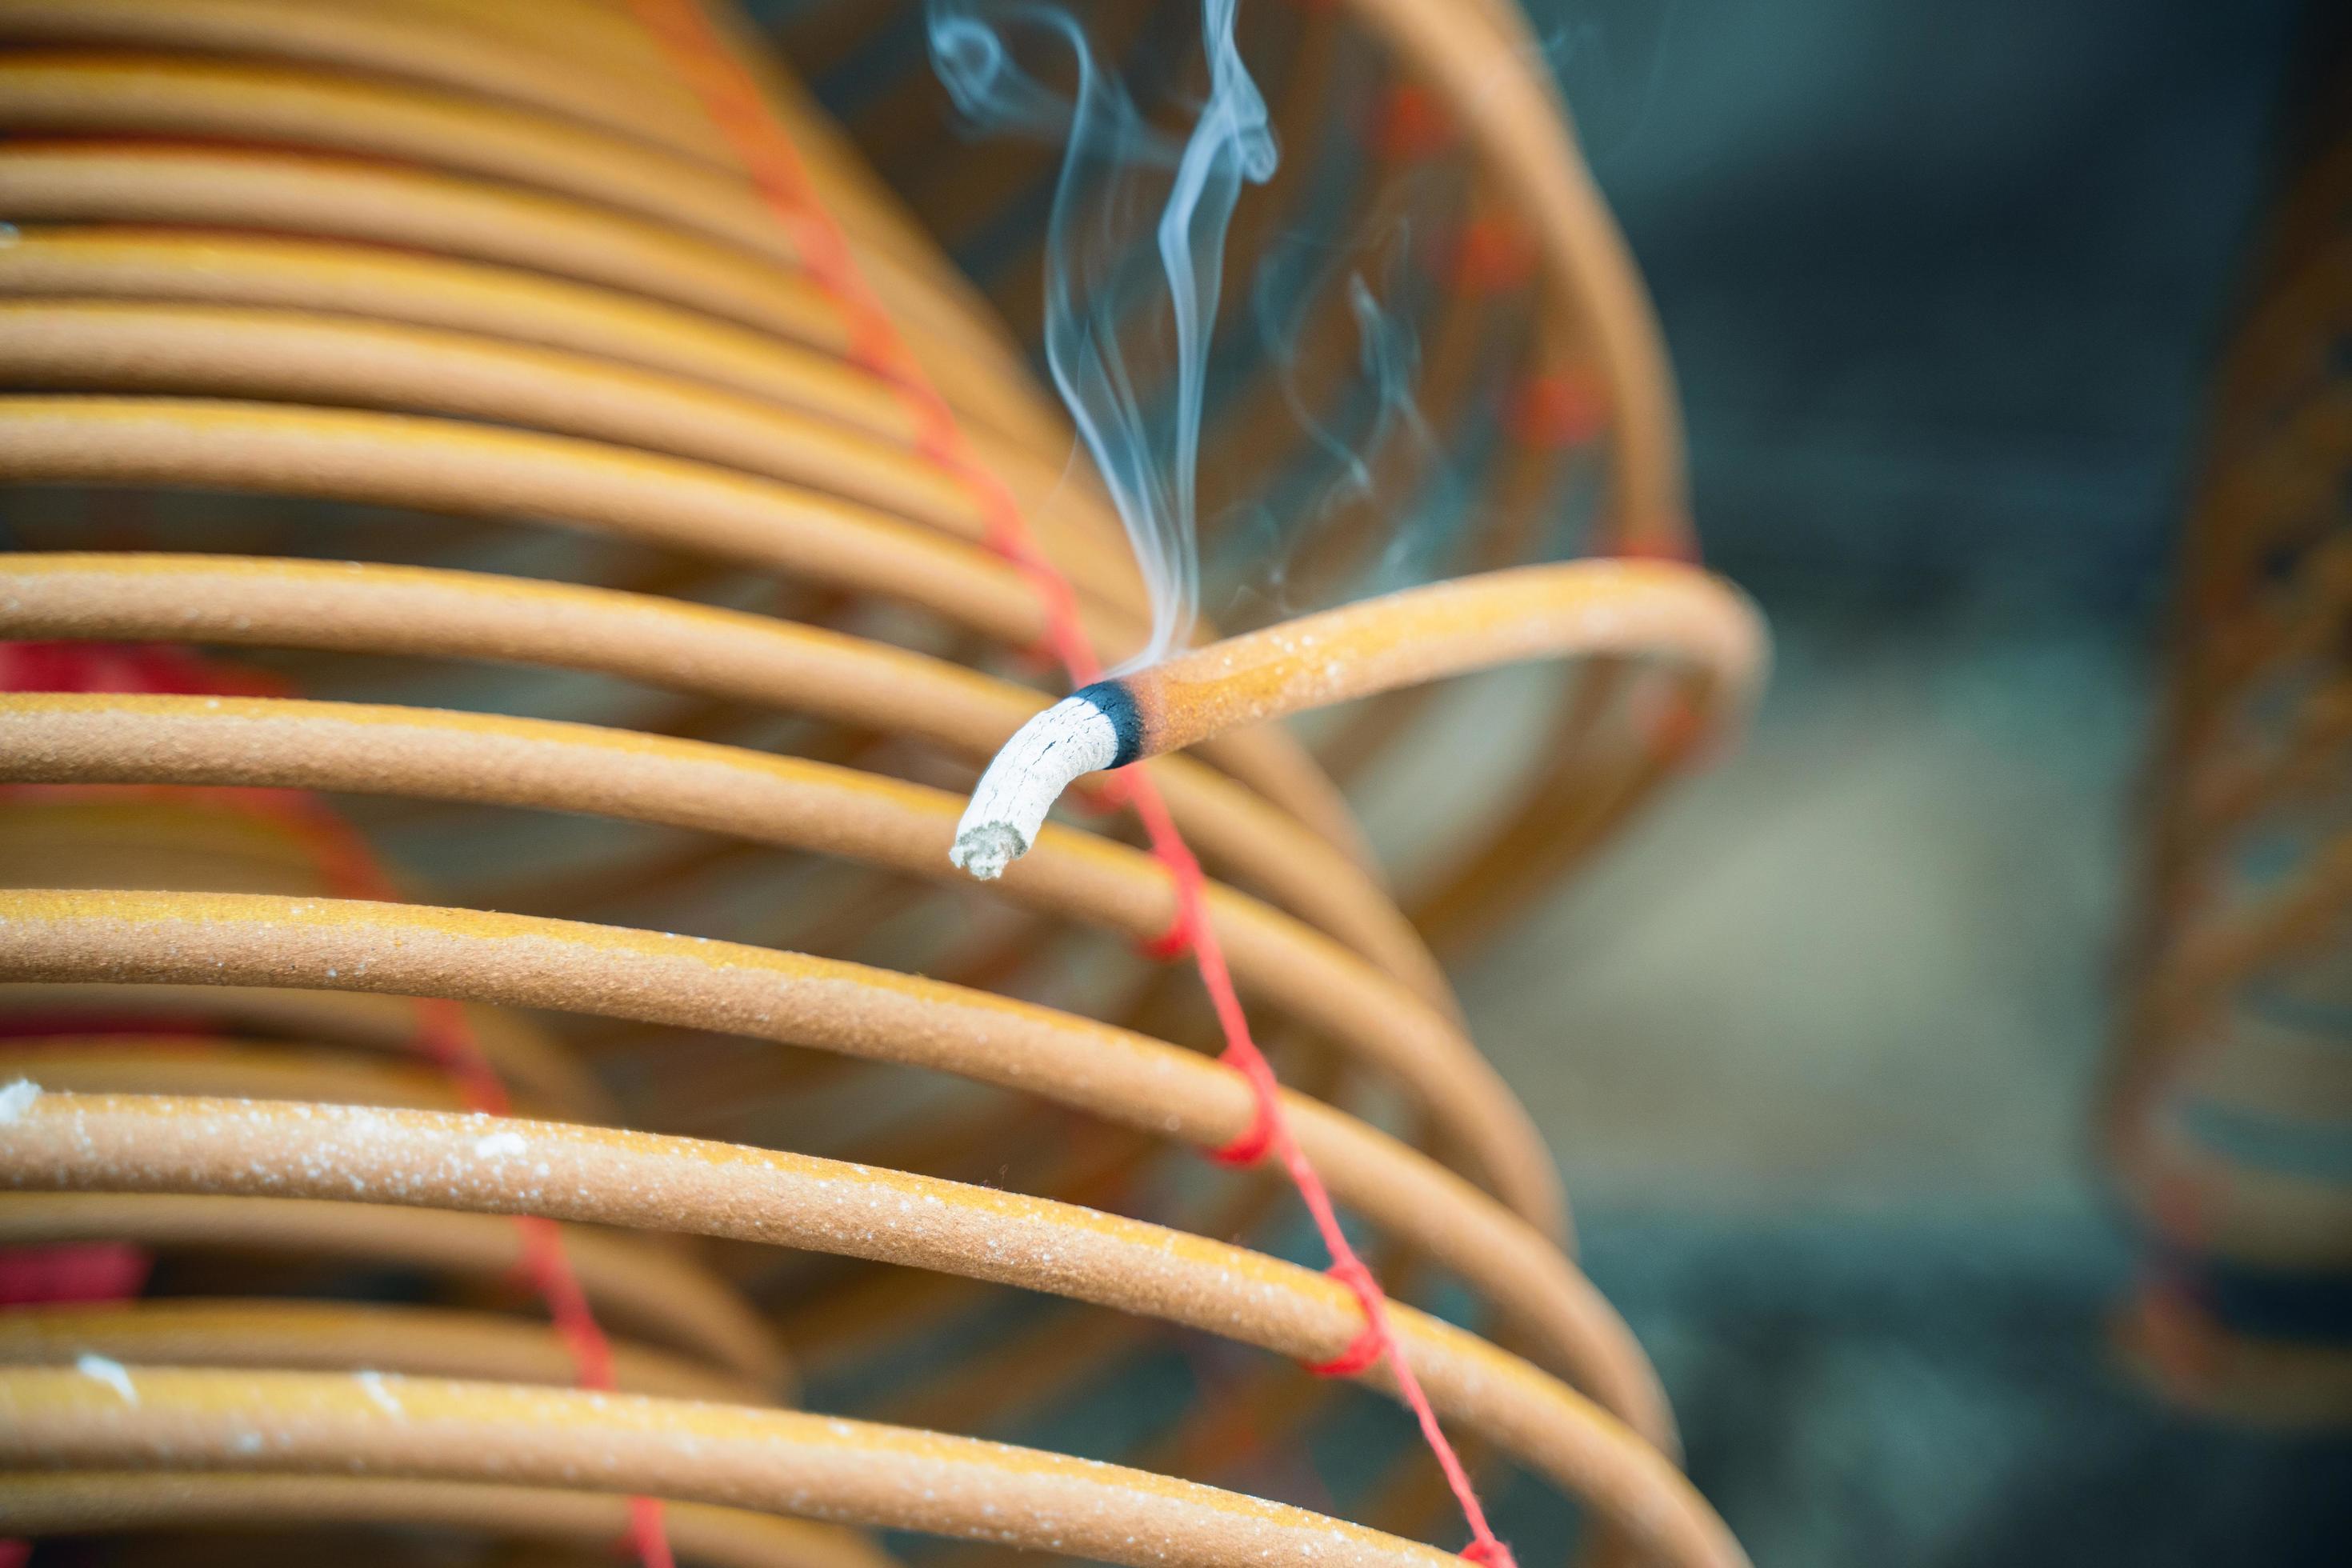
[{"x": 1943, "y": 282}]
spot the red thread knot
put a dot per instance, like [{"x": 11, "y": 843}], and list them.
[
  {"x": 1258, "y": 1137},
  {"x": 1183, "y": 933},
  {"x": 1371, "y": 1341},
  {"x": 1170, "y": 945},
  {"x": 1558, "y": 409},
  {"x": 1489, "y": 1553},
  {"x": 1492, "y": 256}
]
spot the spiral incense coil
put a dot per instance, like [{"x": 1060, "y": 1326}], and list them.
[
  {"x": 499, "y": 659},
  {"x": 2230, "y": 1091}
]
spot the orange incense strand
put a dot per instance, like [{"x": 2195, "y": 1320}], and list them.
[
  {"x": 1586, "y": 607},
  {"x": 1624, "y": 607},
  {"x": 733, "y": 101}
]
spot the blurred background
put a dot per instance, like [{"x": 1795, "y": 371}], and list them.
[{"x": 1944, "y": 286}]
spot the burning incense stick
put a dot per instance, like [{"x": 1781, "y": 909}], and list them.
[{"x": 1657, "y": 608}]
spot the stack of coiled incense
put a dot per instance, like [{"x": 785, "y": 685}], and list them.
[
  {"x": 519, "y": 546},
  {"x": 2229, "y": 1092}
]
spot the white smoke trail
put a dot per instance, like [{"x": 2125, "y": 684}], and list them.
[
  {"x": 1148, "y": 455},
  {"x": 1383, "y": 461}
]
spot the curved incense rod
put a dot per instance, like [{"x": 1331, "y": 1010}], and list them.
[
  {"x": 160, "y": 1143},
  {"x": 636, "y": 1280},
  {"x": 213, "y": 1065},
  {"x": 336, "y": 1336},
  {"x": 342, "y": 1021},
  {"x": 80, "y": 1502},
  {"x": 774, "y": 1460},
  {"x": 400, "y": 45},
  {"x": 793, "y": 999},
  {"x": 1584, "y": 607}
]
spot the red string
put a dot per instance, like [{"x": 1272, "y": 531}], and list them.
[
  {"x": 734, "y": 103},
  {"x": 444, "y": 1035},
  {"x": 350, "y": 867},
  {"x": 1557, "y": 409},
  {"x": 73, "y": 1271},
  {"x": 1367, "y": 1348}
]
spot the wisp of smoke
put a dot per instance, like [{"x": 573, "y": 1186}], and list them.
[
  {"x": 1147, "y": 446},
  {"x": 1390, "y": 357},
  {"x": 1372, "y": 457}
]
